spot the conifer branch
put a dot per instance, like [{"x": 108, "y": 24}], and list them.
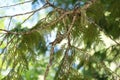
[
  {"x": 43, "y": 7},
  {"x": 17, "y": 4},
  {"x": 77, "y": 11},
  {"x": 58, "y": 39}
]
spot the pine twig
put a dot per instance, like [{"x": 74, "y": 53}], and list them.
[
  {"x": 58, "y": 39},
  {"x": 9, "y": 23},
  {"x": 16, "y": 4},
  {"x": 50, "y": 62},
  {"x": 28, "y": 17},
  {"x": 43, "y": 7}
]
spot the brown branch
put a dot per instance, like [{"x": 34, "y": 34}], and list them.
[
  {"x": 88, "y": 4},
  {"x": 58, "y": 39},
  {"x": 3, "y": 39},
  {"x": 28, "y": 17},
  {"x": 16, "y": 4},
  {"x": 45, "y": 26},
  {"x": 10, "y": 32},
  {"x": 71, "y": 25},
  {"x": 47, "y": 1},
  {"x": 77, "y": 11},
  {"x": 44, "y": 6},
  {"x": 56, "y": 21},
  {"x": 48, "y": 25},
  {"x": 50, "y": 62},
  {"x": 9, "y": 22},
  {"x": 79, "y": 49},
  {"x": 9, "y": 42}
]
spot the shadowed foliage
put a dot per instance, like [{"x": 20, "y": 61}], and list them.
[{"x": 76, "y": 40}]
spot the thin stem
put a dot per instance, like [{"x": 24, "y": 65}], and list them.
[
  {"x": 43, "y": 7},
  {"x": 16, "y": 4}
]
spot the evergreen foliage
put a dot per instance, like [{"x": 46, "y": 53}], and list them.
[{"x": 26, "y": 53}]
